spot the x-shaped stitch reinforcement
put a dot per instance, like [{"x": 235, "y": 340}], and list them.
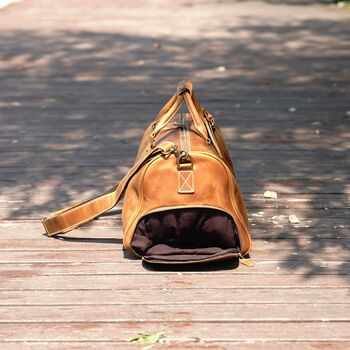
[{"x": 186, "y": 181}]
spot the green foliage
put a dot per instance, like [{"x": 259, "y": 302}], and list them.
[
  {"x": 343, "y": 4},
  {"x": 337, "y": 1}
]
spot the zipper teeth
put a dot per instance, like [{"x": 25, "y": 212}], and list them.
[
  {"x": 182, "y": 129},
  {"x": 184, "y": 132},
  {"x": 187, "y": 134}
]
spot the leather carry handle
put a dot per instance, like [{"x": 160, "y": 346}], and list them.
[
  {"x": 76, "y": 215},
  {"x": 184, "y": 92},
  {"x": 170, "y": 108}
]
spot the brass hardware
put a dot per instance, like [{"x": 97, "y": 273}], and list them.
[
  {"x": 183, "y": 156},
  {"x": 209, "y": 117},
  {"x": 153, "y": 139},
  {"x": 183, "y": 159},
  {"x": 244, "y": 261},
  {"x": 172, "y": 150}
]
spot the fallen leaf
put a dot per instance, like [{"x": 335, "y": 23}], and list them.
[
  {"x": 148, "y": 338},
  {"x": 270, "y": 194},
  {"x": 221, "y": 69},
  {"x": 293, "y": 219}
]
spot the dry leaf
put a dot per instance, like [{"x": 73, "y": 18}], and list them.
[
  {"x": 145, "y": 338},
  {"x": 293, "y": 219},
  {"x": 270, "y": 194},
  {"x": 221, "y": 69}
]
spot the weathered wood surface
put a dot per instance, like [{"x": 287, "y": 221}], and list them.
[{"x": 80, "y": 80}]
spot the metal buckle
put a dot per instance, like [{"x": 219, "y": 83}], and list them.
[{"x": 184, "y": 161}]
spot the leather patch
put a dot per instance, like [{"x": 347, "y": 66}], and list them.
[{"x": 185, "y": 181}]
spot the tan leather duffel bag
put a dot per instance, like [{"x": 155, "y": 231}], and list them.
[{"x": 182, "y": 203}]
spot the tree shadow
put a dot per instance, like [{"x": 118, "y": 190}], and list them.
[{"x": 74, "y": 106}]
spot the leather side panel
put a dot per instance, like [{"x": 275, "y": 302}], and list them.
[{"x": 155, "y": 187}]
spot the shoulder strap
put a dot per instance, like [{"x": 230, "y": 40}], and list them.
[{"x": 76, "y": 215}]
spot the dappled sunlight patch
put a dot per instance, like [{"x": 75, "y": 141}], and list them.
[
  {"x": 251, "y": 135},
  {"x": 127, "y": 133},
  {"x": 229, "y": 132},
  {"x": 123, "y": 169},
  {"x": 88, "y": 77},
  {"x": 130, "y": 78},
  {"x": 84, "y": 45}
]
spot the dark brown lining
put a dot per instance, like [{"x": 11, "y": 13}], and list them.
[{"x": 186, "y": 235}]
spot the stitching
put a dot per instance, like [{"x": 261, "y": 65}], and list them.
[{"x": 186, "y": 181}]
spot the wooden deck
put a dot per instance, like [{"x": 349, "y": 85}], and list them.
[{"x": 79, "y": 81}]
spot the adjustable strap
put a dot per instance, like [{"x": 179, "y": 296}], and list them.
[{"x": 71, "y": 217}]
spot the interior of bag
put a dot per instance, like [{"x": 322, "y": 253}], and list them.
[{"x": 186, "y": 235}]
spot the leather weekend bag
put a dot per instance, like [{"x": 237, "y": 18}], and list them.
[{"x": 181, "y": 200}]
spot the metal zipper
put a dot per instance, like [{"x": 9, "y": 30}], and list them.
[
  {"x": 185, "y": 140},
  {"x": 210, "y": 124}
]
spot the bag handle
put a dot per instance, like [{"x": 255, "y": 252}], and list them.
[
  {"x": 76, "y": 215},
  {"x": 184, "y": 92}
]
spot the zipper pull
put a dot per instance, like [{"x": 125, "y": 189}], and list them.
[
  {"x": 244, "y": 261},
  {"x": 209, "y": 117},
  {"x": 173, "y": 149}
]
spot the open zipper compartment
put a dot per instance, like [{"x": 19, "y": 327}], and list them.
[{"x": 186, "y": 235}]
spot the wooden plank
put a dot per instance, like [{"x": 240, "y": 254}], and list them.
[
  {"x": 177, "y": 313},
  {"x": 125, "y": 266},
  {"x": 181, "y": 331},
  {"x": 179, "y": 345},
  {"x": 33, "y": 281},
  {"x": 164, "y": 296}
]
